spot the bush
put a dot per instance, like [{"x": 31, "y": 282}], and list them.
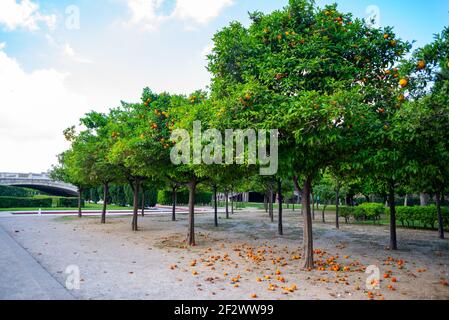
[
  {"x": 150, "y": 198},
  {"x": 22, "y": 202},
  {"x": 369, "y": 211},
  {"x": 68, "y": 202},
  {"x": 7, "y": 191},
  {"x": 182, "y": 197},
  {"x": 421, "y": 216},
  {"x": 346, "y": 212}
]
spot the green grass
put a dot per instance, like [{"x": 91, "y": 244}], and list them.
[{"x": 88, "y": 206}]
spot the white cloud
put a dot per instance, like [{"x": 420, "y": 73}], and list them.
[
  {"x": 207, "y": 50},
  {"x": 35, "y": 108},
  {"x": 67, "y": 50},
  {"x": 2, "y": 45},
  {"x": 145, "y": 12},
  {"x": 24, "y": 14},
  {"x": 70, "y": 53},
  {"x": 200, "y": 12}
]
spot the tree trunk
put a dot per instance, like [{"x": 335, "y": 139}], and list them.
[
  {"x": 227, "y": 204},
  {"x": 232, "y": 203},
  {"x": 440, "y": 216},
  {"x": 307, "y": 233},
  {"x": 105, "y": 202},
  {"x": 298, "y": 190},
  {"x": 143, "y": 203},
  {"x": 337, "y": 204},
  {"x": 323, "y": 214},
  {"x": 280, "y": 227},
  {"x": 80, "y": 212},
  {"x": 270, "y": 203},
  {"x": 191, "y": 232},
  {"x": 135, "y": 204},
  {"x": 405, "y": 200},
  {"x": 313, "y": 205},
  {"x": 173, "y": 209},
  {"x": 393, "y": 240},
  {"x": 215, "y": 207}
]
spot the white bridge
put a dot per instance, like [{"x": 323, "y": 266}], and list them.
[{"x": 38, "y": 181}]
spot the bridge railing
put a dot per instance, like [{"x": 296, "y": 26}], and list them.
[{"x": 8, "y": 175}]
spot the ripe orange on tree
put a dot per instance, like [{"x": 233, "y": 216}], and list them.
[
  {"x": 403, "y": 83},
  {"x": 421, "y": 64}
]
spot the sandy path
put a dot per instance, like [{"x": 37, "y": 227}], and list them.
[{"x": 153, "y": 263}]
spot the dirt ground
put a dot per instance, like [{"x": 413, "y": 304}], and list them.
[{"x": 243, "y": 258}]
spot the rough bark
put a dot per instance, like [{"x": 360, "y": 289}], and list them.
[
  {"x": 105, "y": 202},
  {"x": 280, "y": 227},
  {"x": 307, "y": 232},
  {"x": 136, "y": 188},
  {"x": 215, "y": 206},
  {"x": 440, "y": 216},
  {"x": 191, "y": 231},
  {"x": 393, "y": 239}
]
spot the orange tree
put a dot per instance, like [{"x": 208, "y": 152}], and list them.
[
  {"x": 100, "y": 170},
  {"x": 425, "y": 120},
  {"x": 139, "y": 134},
  {"x": 311, "y": 73},
  {"x": 181, "y": 168}
]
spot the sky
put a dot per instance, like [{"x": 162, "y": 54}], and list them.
[{"x": 62, "y": 59}]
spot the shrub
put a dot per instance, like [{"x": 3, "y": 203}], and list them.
[
  {"x": 421, "y": 216},
  {"x": 68, "y": 202},
  {"x": 182, "y": 197},
  {"x": 346, "y": 212},
  {"x": 369, "y": 211},
  {"x": 23, "y": 202},
  {"x": 7, "y": 191}
]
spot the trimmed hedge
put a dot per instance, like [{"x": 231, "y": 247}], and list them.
[
  {"x": 420, "y": 216},
  {"x": 68, "y": 202},
  {"x": 410, "y": 217},
  {"x": 369, "y": 211},
  {"x": 182, "y": 197},
  {"x": 22, "y": 202}
]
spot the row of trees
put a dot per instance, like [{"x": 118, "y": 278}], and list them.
[{"x": 347, "y": 104}]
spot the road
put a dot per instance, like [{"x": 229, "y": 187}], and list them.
[{"x": 22, "y": 277}]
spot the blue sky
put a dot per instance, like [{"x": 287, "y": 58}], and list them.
[{"x": 50, "y": 75}]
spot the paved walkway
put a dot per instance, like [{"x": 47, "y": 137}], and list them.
[{"x": 22, "y": 277}]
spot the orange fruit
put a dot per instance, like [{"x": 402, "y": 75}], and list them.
[
  {"x": 386, "y": 36},
  {"x": 393, "y": 43},
  {"x": 254, "y": 296},
  {"x": 421, "y": 64},
  {"x": 403, "y": 83},
  {"x": 394, "y": 279}
]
